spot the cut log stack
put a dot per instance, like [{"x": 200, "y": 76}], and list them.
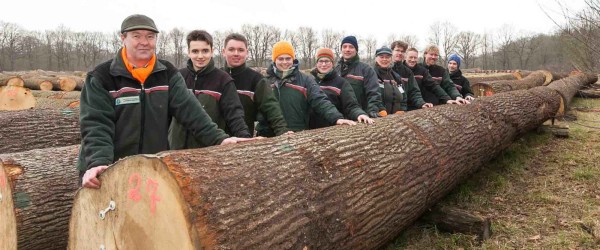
[
  {"x": 537, "y": 78},
  {"x": 38, "y": 128},
  {"x": 11, "y": 80},
  {"x": 333, "y": 188},
  {"x": 16, "y": 98},
  {"x": 39, "y": 187},
  {"x": 56, "y": 99}
]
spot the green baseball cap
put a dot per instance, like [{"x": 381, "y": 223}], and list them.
[{"x": 138, "y": 22}]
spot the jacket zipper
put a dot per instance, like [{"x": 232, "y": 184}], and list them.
[{"x": 143, "y": 107}]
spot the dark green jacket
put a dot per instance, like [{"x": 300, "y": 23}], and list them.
[
  {"x": 462, "y": 84},
  {"x": 340, "y": 94},
  {"x": 257, "y": 98},
  {"x": 297, "y": 93},
  {"x": 391, "y": 89},
  {"x": 430, "y": 89},
  {"x": 415, "y": 99},
  {"x": 120, "y": 117},
  {"x": 440, "y": 75},
  {"x": 363, "y": 80},
  {"x": 215, "y": 90}
]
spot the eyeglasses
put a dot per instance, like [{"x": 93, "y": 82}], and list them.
[{"x": 325, "y": 62}]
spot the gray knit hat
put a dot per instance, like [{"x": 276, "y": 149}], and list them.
[{"x": 138, "y": 22}]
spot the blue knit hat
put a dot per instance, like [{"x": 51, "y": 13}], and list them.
[
  {"x": 456, "y": 58},
  {"x": 350, "y": 40}
]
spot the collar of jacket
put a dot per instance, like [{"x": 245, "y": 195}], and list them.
[
  {"x": 406, "y": 64},
  {"x": 328, "y": 76},
  {"x": 203, "y": 71},
  {"x": 275, "y": 72},
  {"x": 117, "y": 67},
  {"x": 383, "y": 73},
  {"x": 456, "y": 73},
  {"x": 235, "y": 71}
]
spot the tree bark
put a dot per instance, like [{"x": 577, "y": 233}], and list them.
[
  {"x": 38, "y": 191},
  {"x": 38, "y": 128},
  {"x": 11, "y": 80},
  {"x": 40, "y": 82},
  {"x": 56, "y": 99},
  {"x": 568, "y": 87},
  {"x": 455, "y": 220},
  {"x": 488, "y": 88},
  {"x": 342, "y": 187},
  {"x": 16, "y": 98},
  {"x": 473, "y": 79}
]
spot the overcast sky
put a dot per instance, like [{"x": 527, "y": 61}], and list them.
[{"x": 360, "y": 18}]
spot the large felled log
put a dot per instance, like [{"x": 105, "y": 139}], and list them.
[
  {"x": 56, "y": 94},
  {"x": 38, "y": 128},
  {"x": 11, "y": 80},
  {"x": 37, "y": 187},
  {"x": 16, "y": 98},
  {"x": 477, "y": 78},
  {"x": 40, "y": 82},
  {"x": 568, "y": 87},
  {"x": 56, "y": 99},
  {"x": 455, "y": 220},
  {"x": 534, "y": 79},
  {"x": 333, "y": 188}
]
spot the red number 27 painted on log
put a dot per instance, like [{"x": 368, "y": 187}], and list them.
[{"x": 151, "y": 187}]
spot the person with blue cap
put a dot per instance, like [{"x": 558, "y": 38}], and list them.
[
  {"x": 393, "y": 92},
  {"x": 461, "y": 83}
]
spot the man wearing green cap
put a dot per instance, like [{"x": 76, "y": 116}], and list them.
[{"x": 128, "y": 102}]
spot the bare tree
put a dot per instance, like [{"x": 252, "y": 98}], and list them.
[
  {"x": 269, "y": 36},
  {"x": 449, "y": 39},
  {"x": 307, "y": 47},
  {"x": 252, "y": 34},
  {"x": 218, "y": 41},
  {"x": 370, "y": 46},
  {"x": 467, "y": 43},
  {"x": 177, "y": 37},
  {"x": 10, "y": 37},
  {"x": 331, "y": 39},
  {"x": 162, "y": 45},
  {"x": 435, "y": 34},
  {"x": 411, "y": 40},
  {"x": 524, "y": 48},
  {"x": 505, "y": 38}
]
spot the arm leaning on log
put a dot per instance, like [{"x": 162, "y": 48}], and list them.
[{"x": 449, "y": 87}]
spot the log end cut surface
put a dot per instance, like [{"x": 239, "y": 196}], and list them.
[
  {"x": 16, "y": 98},
  {"x": 8, "y": 224},
  {"x": 150, "y": 211},
  {"x": 482, "y": 89}
]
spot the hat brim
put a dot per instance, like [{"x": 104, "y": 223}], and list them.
[{"x": 140, "y": 27}]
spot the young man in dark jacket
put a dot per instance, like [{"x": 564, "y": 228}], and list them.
[
  {"x": 437, "y": 95},
  {"x": 253, "y": 89},
  {"x": 297, "y": 93},
  {"x": 415, "y": 99},
  {"x": 440, "y": 75},
  {"x": 361, "y": 77},
  {"x": 338, "y": 91},
  {"x": 461, "y": 83},
  {"x": 213, "y": 88},
  {"x": 127, "y": 104}
]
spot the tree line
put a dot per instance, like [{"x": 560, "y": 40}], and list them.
[{"x": 573, "y": 45}]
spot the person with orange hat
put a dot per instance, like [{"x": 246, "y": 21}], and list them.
[
  {"x": 297, "y": 93},
  {"x": 338, "y": 91}
]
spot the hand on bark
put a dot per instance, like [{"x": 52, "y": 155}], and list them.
[
  {"x": 451, "y": 102},
  {"x": 374, "y": 114},
  {"x": 234, "y": 140},
  {"x": 344, "y": 122},
  {"x": 462, "y": 101},
  {"x": 469, "y": 98},
  {"x": 90, "y": 179},
  {"x": 427, "y": 105},
  {"x": 288, "y": 133},
  {"x": 365, "y": 119}
]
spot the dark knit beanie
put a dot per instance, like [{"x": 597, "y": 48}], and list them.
[
  {"x": 350, "y": 40},
  {"x": 456, "y": 58}
]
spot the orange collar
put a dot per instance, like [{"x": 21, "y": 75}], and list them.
[{"x": 141, "y": 74}]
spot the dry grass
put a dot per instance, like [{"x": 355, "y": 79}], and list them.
[{"x": 541, "y": 193}]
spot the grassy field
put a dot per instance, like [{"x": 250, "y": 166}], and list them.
[{"x": 542, "y": 192}]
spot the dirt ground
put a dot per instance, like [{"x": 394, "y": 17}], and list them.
[{"x": 543, "y": 192}]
